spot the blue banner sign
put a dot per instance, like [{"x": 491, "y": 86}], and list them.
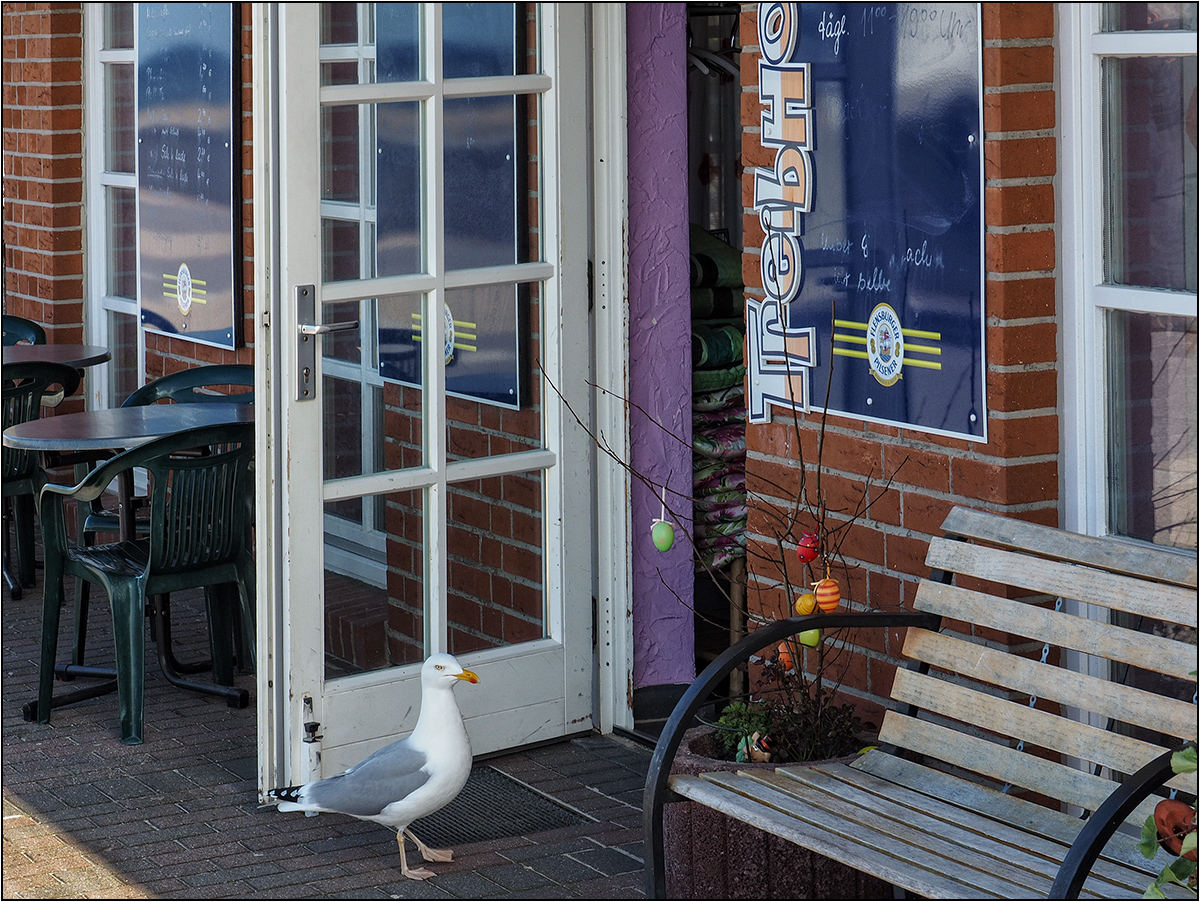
[
  {"x": 188, "y": 214},
  {"x": 872, "y": 261}
]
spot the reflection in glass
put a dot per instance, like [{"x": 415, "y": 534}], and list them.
[
  {"x": 340, "y": 259},
  {"x": 1148, "y": 17},
  {"x": 1152, "y": 432},
  {"x": 400, "y": 241},
  {"x": 123, "y": 342},
  {"x": 375, "y": 603},
  {"x": 118, "y": 26},
  {"x": 339, "y": 23},
  {"x": 487, "y": 342},
  {"x": 1150, "y": 167},
  {"x": 122, "y": 242},
  {"x": 480, "y": 40},
  {"x": 496, "y": 593},
  {"x": 120, "y": 133},
  {"x": 339, "y": 153},
  {"x": 343, "y": 437}
]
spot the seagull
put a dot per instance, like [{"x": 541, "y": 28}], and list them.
[{"x": 408, "y": 779}]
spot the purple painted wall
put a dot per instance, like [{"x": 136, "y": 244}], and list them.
[{"x": 660, "y": 369}]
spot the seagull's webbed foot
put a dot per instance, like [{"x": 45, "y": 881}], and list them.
[
  {"x": 427, "y": 853},
  {"x": 411, "y": 873}
]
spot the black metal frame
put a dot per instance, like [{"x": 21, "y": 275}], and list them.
[
  {"x": 656, "y": 792},
  {"x": 1099, "y": 828}
]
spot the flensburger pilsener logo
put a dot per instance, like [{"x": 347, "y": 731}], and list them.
[{"x": 885, "y": 345}]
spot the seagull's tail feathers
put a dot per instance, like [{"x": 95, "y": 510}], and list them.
[{"x": 288, "y": 798}]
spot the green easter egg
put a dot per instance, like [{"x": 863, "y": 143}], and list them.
[
  {"x": 810, "y": 638},
  {"x": 663, "y": 534}
]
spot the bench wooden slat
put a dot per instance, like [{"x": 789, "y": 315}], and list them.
[
  {"x": 1046, "y": 837},
  {"x": 1110, "y": 590},
  {"x": 837, "y": 837},
  {"x": 1123, "y": 754},
  {"x": 1064, "y": 630},
  {"x": 1114, "y": 554},
  {"x": 1008, "y": 809},
  {"x": 998, "y": 762},
  {"x": 1027, "y": 858},
  {"x": 1126, "y": 704}
]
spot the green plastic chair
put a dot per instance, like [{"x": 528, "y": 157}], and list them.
[
  {"x": 200, "y": 483},
  {"x": 191, "y": 386},
  {"x": 24, "y": 387},
  {"x": 18, "y": 330}
]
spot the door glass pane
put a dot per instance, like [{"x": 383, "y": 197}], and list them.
[
  {"x": 1152, "y": 429},
  {"x": 375, "y": 603},
  {"x": 1148, "y": 17},
  {"x": 496, "y": 585},
  {"x": 487, "y": 172},
  {"x": 119, "y": 137},
  {"x": 340, "y": 153},
  {"x": 339, "y": 23},
  {"x": 1150, "y": 167},
  {"x": 400, "y": 247}
]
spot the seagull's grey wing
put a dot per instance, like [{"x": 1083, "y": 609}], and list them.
[{"x": 391, "y": 774}]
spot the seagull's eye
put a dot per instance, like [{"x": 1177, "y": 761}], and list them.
[{"x": 438, "y": 667}]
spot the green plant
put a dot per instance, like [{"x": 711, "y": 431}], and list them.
[
  {"x": 1180, "y": 840},
  {"x": 738, "y": 721}
]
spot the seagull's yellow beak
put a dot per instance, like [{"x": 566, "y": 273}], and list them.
[{"x": 468, "y": 676}]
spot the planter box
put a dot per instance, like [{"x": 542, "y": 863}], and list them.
[{"x": 711, "y": 856}]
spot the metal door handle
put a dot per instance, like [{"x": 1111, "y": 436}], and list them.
[
  {"x": 326, "y": 328},
  {"x": 306, "y": 348}
]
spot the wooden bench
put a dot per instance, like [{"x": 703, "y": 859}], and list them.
[{"x": 944, "y": 807}]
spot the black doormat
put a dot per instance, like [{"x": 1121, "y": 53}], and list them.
[{"x": 493, "y": 806}]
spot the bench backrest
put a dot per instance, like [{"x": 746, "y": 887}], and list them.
[{"x": 1044, "y": 634}]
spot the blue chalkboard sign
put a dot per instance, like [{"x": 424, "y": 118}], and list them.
[
  {"x": 873, "y": 256},
  {"x": 188, "y": 214}
]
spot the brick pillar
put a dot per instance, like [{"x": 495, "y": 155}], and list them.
[
  {"x": 1016, "y": 471},
  {"x": 43, "y": 165}
]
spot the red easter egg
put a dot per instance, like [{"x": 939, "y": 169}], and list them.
[
  {"x": 829, "y": 595},
  {"x": 807, "y": 547}
]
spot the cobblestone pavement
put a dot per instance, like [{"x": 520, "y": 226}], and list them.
[{"x": 178, "y": 816}]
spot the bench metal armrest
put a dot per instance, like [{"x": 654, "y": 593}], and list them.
[
  {"x": 697, "y": 693},
  {"x": 1100, "y": 827}
]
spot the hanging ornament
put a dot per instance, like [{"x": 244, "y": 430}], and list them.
[
  {"x": 805, "y": 604},
  {"x": 784, "y": 657},
  {"x": 807, "y": 547},
  {"x": 662, "y": 533},
  {"x": 810, "y": 638},
  {"x": 829, "y": 595}
]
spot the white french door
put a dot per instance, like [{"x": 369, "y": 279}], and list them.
[{"x": 421, "y": 242}]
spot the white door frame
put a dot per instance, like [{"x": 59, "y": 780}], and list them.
[{"x": 282, "y": 535}]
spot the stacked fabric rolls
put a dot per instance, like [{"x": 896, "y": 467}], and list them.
[{"x": 718, "y": 401}]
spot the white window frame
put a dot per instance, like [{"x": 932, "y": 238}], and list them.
[
  {"x": 1085, "y": 298},
  {"x": 98, "y": 303}
]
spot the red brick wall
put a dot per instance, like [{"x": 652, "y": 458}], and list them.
[
  {"x": 43, "y": 165},
  {"x": 1016, "y": 471}
]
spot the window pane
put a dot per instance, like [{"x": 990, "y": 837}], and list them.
[
  {"x": 119, "y": 143},
  {"x": 118, "y": 26},
  {"x": 480, "y": 39},
  {"x": 1150, "y": 171},
  {"x": 339, "y": 23},
  {"x": 123, "y": 367},
  {"x": 1152, "y": 429},
  {"x": 339, "y": 153},
  {"x": 398, "y": 49},
  {"x": 1148, "y": 17},
  {"x": 122, "y": 242}
]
